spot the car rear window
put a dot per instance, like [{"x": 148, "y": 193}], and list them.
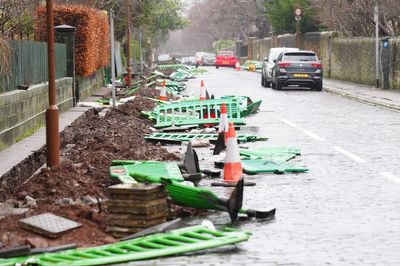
[
  {"x": 226, "y": 53},
  {"x": 299, "y": 57}
]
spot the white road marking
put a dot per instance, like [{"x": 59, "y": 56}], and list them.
[
  {"x": 350, "y": 155},
  {"x": 313, "y": 135},
  {"x": 307, "y": 132},
  {"x": 391, "y": 177},
  {"x": 289, "y": 123}
]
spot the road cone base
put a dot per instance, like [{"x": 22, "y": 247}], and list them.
[{"x": 231, "y": 184}]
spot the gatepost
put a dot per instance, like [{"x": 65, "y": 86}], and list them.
[{"x": 66, "y": 34}]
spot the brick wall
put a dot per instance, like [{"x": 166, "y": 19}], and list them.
[{"x": 24, "y": 110}]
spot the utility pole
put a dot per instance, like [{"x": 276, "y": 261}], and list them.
[
  {"x": 112, "y": 57},
  {"x": 376, "y": 18},
  {"x": 52, "y": 130},
  {"x": 297, "y": 17},
  {"x": 128, "y": 36}
]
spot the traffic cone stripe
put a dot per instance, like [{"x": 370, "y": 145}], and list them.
[
  {"x": 163, "y": 93},
  {"x": 232, "y": 151},
  {"x": 202, "y": 91},
  {"x": 223, "y": 120}
]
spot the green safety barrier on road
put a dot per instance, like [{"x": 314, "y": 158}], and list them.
[
  {"x": 197, "y": 112},
  {"x": 172, "y": 67},
  {"x": 197, "y": 71},
  {"x": 274, "y": 154},
  {"x": 179, "y": 137},
  {"x": 187, "y": 239},
  {"x": 122, "y": 170},
  {"x": 257, "y": 64},
  {"x": 256, "y": 166}
]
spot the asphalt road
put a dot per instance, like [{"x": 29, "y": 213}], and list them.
[{"x": 345, "y": 210}]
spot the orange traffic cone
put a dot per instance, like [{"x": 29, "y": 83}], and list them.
[
  {"x": 223, "y": 126},
  {"x": 163, "y": 93},
  {"x": 237, "y": 66},
  {"x": 202, "y": 91},
  {"x": 232, "y": 166}
]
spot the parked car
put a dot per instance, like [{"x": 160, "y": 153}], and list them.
[
  {"x": 301, "y": 68},
  {"x": 209, "y": 59},
  {"x": 189, "y": 60},
  {"x": 269, "y": 62},
  {"x": 200, "y": 58},
  {"x": 225, "y": 58}
]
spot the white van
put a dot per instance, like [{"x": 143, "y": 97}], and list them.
[{"x": 269, "y": 62}]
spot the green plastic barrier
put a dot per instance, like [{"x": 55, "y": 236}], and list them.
[
  {"x": 274, "y": 154},
  {"x": 176, "y": 137},
  {"x": 123, "y": 170},
  {"x": 188, "y": 239},
  {"x": 256, "y": 166},
  {"x": 197, "y": 112},
  {"x": 172, "y": 67}
]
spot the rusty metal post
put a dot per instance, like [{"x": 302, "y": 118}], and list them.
[
  {"x": 52, "y": 130},
  {"x": 128, "y": 37}
]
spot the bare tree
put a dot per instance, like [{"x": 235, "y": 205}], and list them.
[
  {"x": 16, "y": 19},
  {"x": 356, "y": 17}
]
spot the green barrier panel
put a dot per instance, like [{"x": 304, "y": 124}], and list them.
[
  {"x": 251, "y": 108},
  {"x": 197, "y": 112},
  {"x": 263, "y": 166},
  {"x": 187, "y": 239},
  {"x": 187, "y": 137},
  {"x": 198, "y": 71},
  {"x": 160, "y": 74},
  {"x": 274, "y": 154},
  {"x": 172, "y": 67},
  {"x": 123, "y": 170}
]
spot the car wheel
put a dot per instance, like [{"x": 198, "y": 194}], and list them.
[
  {"x": 216, "y": 67},
  {"x": 278, "y": 85},
  {"x": 318, "y": 87}
]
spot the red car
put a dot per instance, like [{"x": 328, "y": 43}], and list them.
[{"x": 225, "y": 58}]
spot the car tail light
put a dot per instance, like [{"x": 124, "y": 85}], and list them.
[
  {"x": 283, "y": 64},
  {"x": 316, "y": 65}
]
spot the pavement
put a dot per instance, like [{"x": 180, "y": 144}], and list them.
[{"x": 24, "y": 149}]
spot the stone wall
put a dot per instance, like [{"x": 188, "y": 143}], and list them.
[
  {"x": 22, "y": 111},
  {"x": 88, "y": 85}
]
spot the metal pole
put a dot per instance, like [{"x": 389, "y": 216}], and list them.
[
  {"x": 376, "y": 18},
  {"x": 52, "y": 131},
  {"x": 128, "y": 36},
  {"x": 112, "y": 57},
  {"x": 298, "y": 29},
  {"x": 140, "y": 50}
]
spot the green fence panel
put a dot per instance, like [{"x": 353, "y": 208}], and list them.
[
  {"x": 187, "y": 239},
  {"x": 177, "y": 137},
  {"x": 197, "y": 112},
  {"x": 257, "y": 166},
  {"x": 29, "y": 64}
]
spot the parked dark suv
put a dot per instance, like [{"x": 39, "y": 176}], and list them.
[{"x": 301, "y": 68}]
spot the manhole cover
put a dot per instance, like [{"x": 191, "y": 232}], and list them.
[{"x": 48, "y": 224}]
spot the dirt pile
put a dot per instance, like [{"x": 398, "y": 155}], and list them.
[{"x": 75, "y": 190}]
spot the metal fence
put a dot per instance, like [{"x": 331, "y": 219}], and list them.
[{"x": 29, "y": 64}]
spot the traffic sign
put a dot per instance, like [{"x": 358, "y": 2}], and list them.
[{"x": 297, "y": 12}]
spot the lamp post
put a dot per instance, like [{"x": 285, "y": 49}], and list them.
[
  {"x": 52, "y": 130},
  {"x": 376, "y": 19},
  {"x": 128, "y": 37}
]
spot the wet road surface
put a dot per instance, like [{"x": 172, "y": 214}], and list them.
[{"x": 344, "y": 211}]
